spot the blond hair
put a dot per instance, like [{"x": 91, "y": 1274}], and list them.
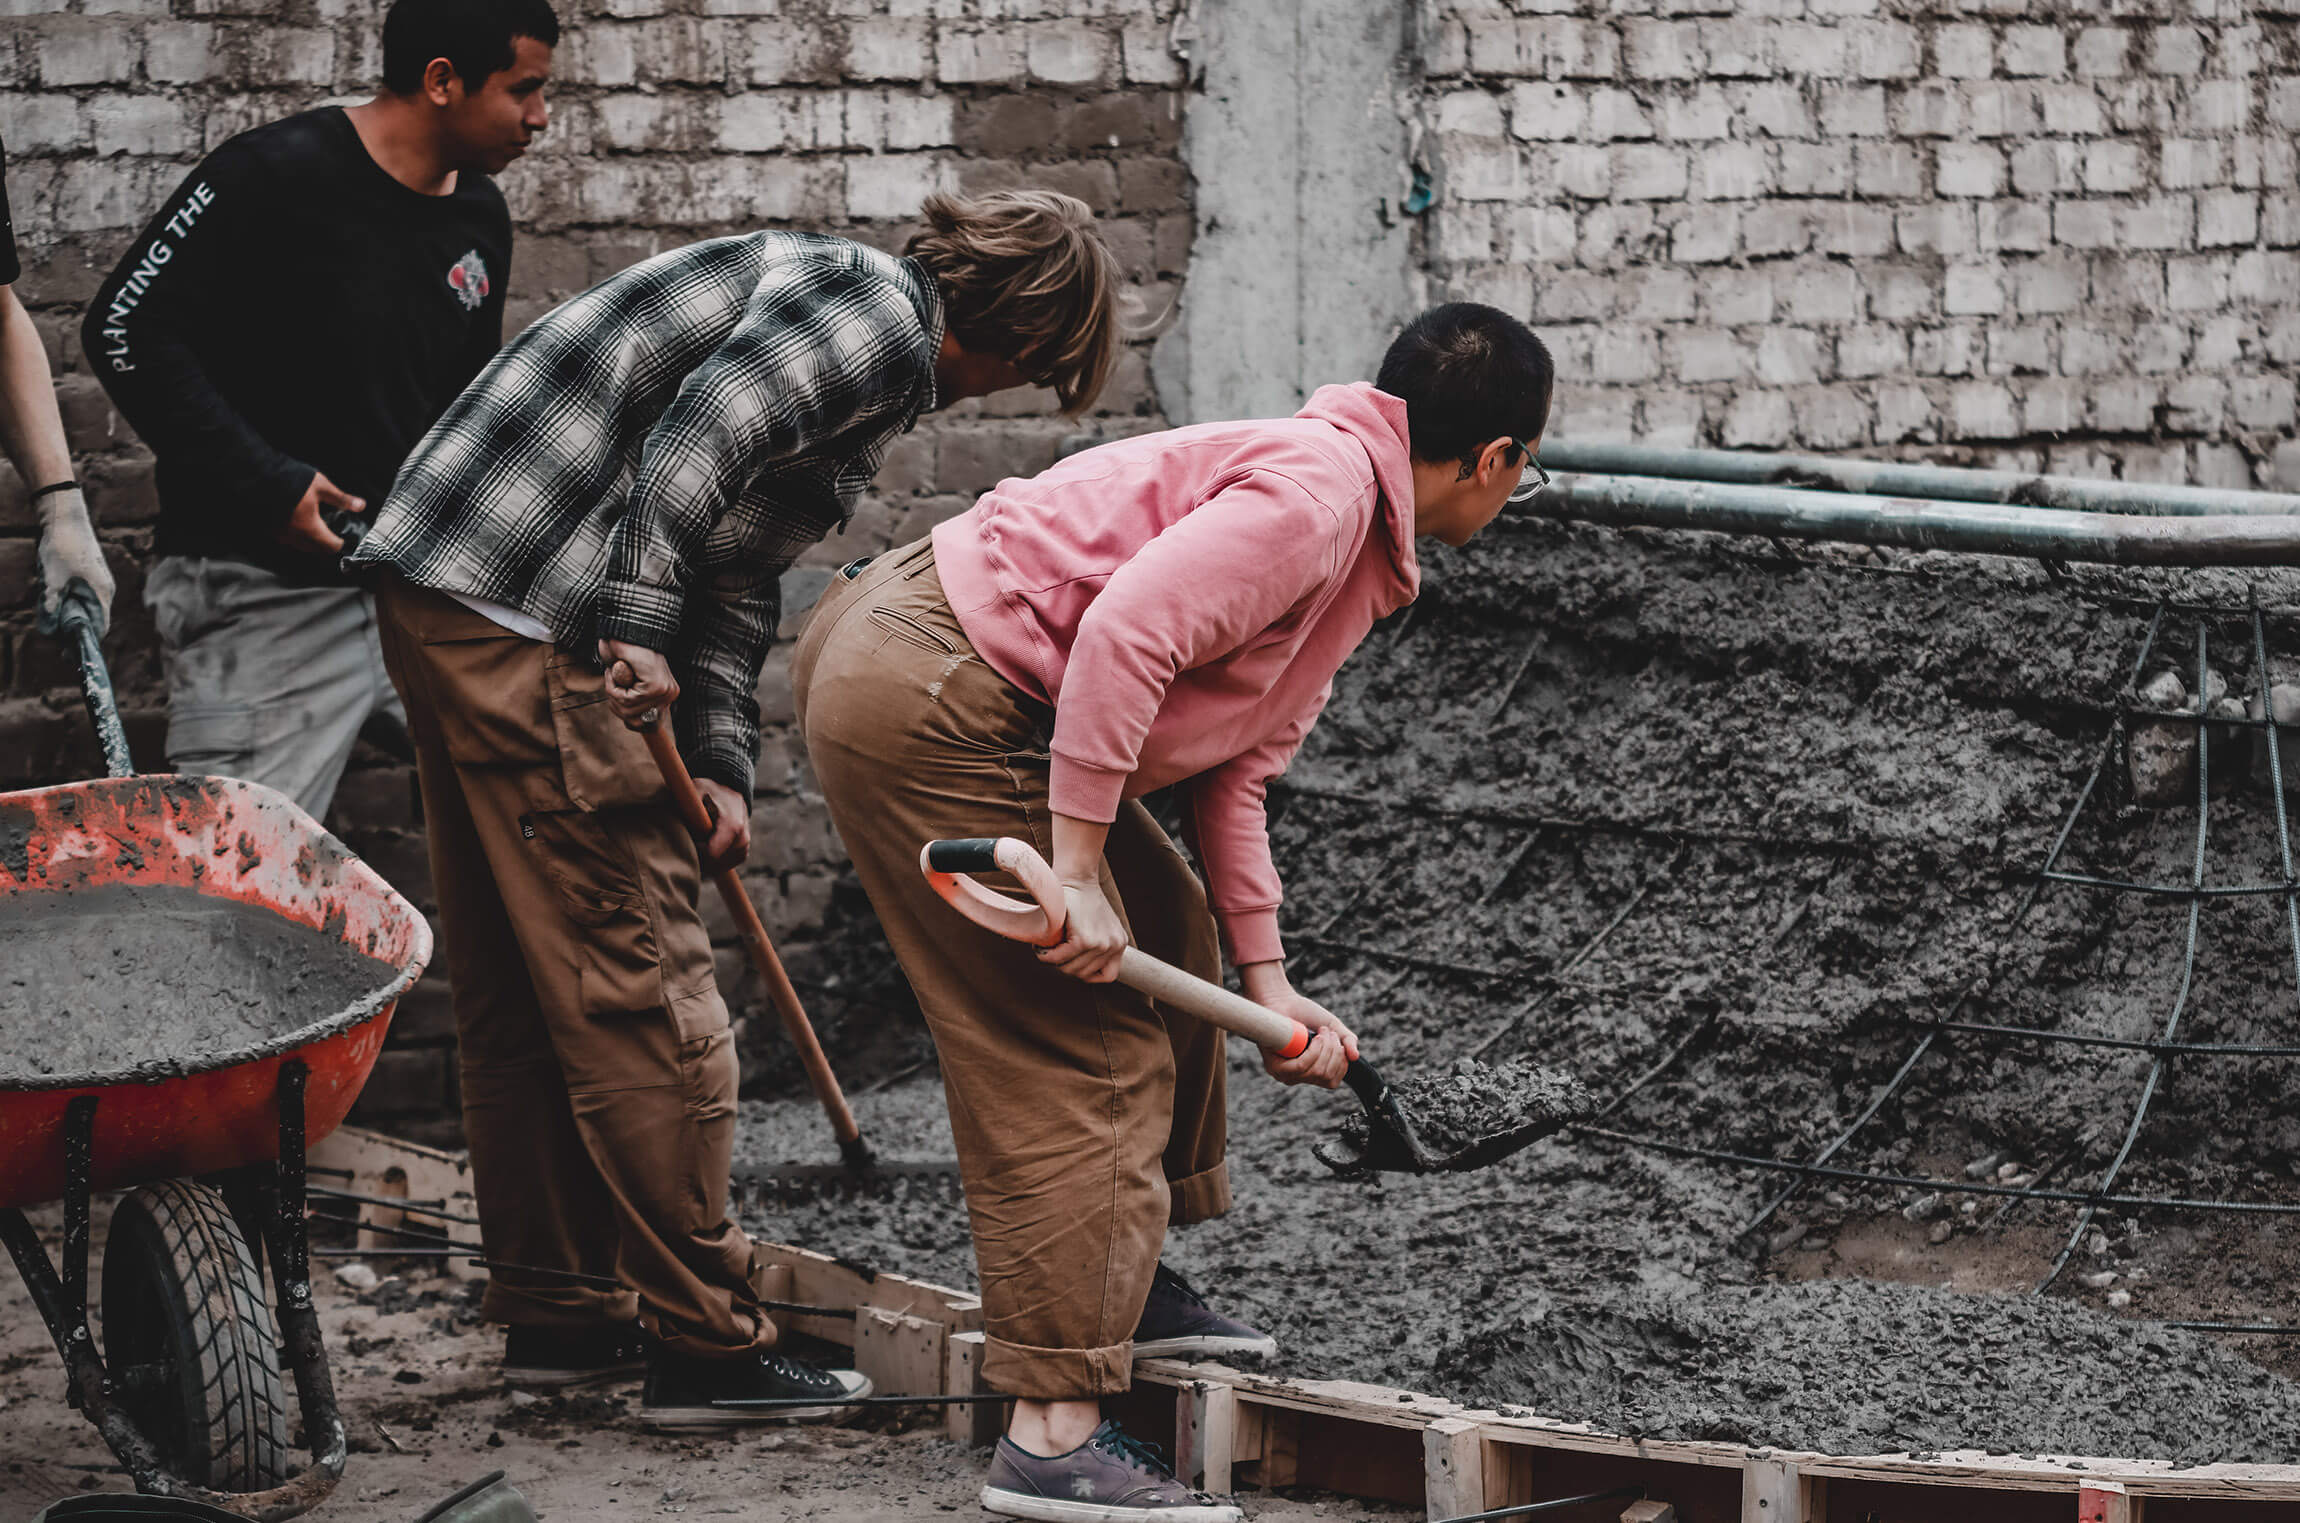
[{"x": 1025, "y": 276}]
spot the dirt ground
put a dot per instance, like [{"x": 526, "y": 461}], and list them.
[{"x": 415, "y": 1374}]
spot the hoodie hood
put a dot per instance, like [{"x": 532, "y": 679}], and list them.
[{"x": 1377, "y": 421}]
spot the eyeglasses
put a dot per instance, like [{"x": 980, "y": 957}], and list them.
[{"x": 1534, "y": 481}]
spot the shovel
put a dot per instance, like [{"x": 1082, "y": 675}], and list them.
[
  {"x": 1387, "y": 1139},
  {"x": 688, "y": 800}
]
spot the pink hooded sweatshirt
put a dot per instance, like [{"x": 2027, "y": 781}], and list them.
[{"x": 1183, "y": 601}]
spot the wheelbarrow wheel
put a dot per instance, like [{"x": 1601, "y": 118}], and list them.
[{"x": 189, "y": 1338}]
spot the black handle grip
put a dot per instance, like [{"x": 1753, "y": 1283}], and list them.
[{"x": 974, "y": 854}]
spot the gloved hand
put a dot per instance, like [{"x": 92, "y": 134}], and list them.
[{"x": 68, "y": 549}]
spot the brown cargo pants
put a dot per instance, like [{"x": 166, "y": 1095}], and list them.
[
  {"x": 1087, "y": 1117},
  {"x": 597, "y": 1066}
]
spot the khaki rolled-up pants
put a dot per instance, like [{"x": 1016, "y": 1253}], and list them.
[
  {"x": 1087, "y": 1117},
  {"x": 597, "y": 1065}
]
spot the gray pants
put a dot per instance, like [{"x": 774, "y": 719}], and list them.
[{"x": 267, "y": 682}]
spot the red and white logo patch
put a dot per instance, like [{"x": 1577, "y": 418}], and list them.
[{"x": 468, "y": 280}]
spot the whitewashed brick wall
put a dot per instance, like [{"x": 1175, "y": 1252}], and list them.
[
  {"x": 673, "y": 120},
  {"x": 2056, "y": 234}
]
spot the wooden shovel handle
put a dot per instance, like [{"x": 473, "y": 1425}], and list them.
[
  {"x": 947, "y": 864},
  {"x": 688, "y": 799}
]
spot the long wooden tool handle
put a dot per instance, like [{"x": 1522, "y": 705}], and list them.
[
  {"x": 947, "y": 865},
  {"x": 1210, "y": 1002},
  {"x": 688, "y": 799}
]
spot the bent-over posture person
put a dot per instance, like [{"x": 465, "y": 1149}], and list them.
[
  {"x": 1164, "y": 611},
  {"x": 624, "y": 485},
  {"x": 303, "y": 307}
]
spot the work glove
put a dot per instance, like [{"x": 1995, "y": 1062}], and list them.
[{"x": 69, "y": 549}]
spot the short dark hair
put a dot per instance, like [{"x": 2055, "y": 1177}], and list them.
[
  {"x": 476, "y": 36},
  {"x": 1469, "y": 374}
]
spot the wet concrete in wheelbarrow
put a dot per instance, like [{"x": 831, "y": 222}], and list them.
[
  {"x": 158, "y": 980},
  {"x": 1813, "y": 793}
]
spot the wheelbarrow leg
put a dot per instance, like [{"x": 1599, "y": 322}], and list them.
[
  {"x": 290, "y": 1256},
  {"x": 62, "y": 1300}
]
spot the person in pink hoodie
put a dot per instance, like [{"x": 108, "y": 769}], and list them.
[{"x": 1167, "y": 611}]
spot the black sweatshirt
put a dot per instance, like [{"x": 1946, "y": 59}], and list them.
[
  {"x": 9, "y": 268},
  {"x": 294, "y": 308}
]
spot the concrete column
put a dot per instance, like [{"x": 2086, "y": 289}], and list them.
[{"x": 1301, "y": 270}]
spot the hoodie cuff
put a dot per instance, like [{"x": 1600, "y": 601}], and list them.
[
  {"x": 1250, "y": 935},
  {"x": 1084, "y": 791}
]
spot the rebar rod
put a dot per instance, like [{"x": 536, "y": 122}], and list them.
[
  {"x": 1652, "y": 502},
  {"x": 1921, "y": 1182},
  {"x": 2173, "y": 890},
  {"x": 2128, "y": 1044},
  {"x": 2019, "y": 915},
  {"x": 2159, "y": 1061},
  {"x": 1898, "y": 479},
  {"x": 2266, "y": 680}
]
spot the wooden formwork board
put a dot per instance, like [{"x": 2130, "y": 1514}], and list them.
[{"x": 1232, "y": 1429}]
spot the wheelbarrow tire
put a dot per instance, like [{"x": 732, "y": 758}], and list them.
[{"x": 189, "y": 1332}]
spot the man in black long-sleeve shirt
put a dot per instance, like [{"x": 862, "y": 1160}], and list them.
[{"x": 300, "y": 311}]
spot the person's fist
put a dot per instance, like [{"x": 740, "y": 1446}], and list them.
[
  {"x": 1093, "y": 937},
  {"x": 306, "y": 528},
  {"x": 69, "y": 552},
  {"x": 640, "y": 687},
  {"x": 730, "y": 839}
]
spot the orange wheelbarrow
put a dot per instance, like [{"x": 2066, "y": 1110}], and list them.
[{"x": 188, "y": 1387}]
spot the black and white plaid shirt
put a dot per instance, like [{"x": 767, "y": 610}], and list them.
[{"x": 643, "y": 463}]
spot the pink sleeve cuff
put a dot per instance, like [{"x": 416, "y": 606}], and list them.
[
  {"x": 1250, "y": 935},
  {"x": 1084, "y": 791}
]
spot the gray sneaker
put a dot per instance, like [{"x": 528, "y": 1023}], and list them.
[
  {"x": 1111, "y": 1478},
  {"x": 1177, "y": 1320}
]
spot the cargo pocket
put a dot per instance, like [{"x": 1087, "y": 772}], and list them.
[
  {"x": 708, "y": 1070},
  {"x": 605, "y": 763},
  {"x": 497, "y": 714},
  {"x": 212, "y": 740},
  {"x": 618, "y": 958}
]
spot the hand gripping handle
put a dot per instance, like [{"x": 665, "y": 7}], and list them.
[{"x": 1041, "y": 924}]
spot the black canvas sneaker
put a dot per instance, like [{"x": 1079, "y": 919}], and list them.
[
  {"x": 1177, "y": 1321},
  {"x": 680, "y": 1392},
  {"x": 562, "y": 1358}
]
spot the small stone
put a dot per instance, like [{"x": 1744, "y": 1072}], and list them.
[
  {"x": 2215, "y": 688},
  {"x": 2100, "y": 1281},
  {"x": 2007, "y": 1170},
  {"x": 1941, "y": 1233},
  {"x": 1924, "y": 1208},
  {"x": 524, "y": 1398},
  {"x": 1983, "y": 1166},
  {"x": 356, "y": 1278},
  {"x": 494, "y": 1440},
  {"x": 2163, "y": 692},
  {"x": 2160, "y": 761},
  {"x": 2096, "y": 1243},
  {"x": 2120, "y": 1299}
]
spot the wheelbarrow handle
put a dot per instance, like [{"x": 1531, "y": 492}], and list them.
[
  {"x": 947, "y": 865},
  {"x": 77, "y": 623}
]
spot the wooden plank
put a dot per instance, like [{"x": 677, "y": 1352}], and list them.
[
  {"x": 902, "y": 1355},
  {"x": 1453, "y": 1468},
  {"x": 1205, "y": 1435},
  {"x": 1383, "y": 1407},
  {"x": 982, "y": 1422},
  {"x": 1281, "y": 1447},
  {"x": 820, "y": 1280},
  {"x": 1649, "y": 1512},
  {"x": 2107, "y": 1502},
  {"x": 1508, "y": 1472},
  {"x": 1776, "y": 1490},
  {"x": 381, "y": 1165}
]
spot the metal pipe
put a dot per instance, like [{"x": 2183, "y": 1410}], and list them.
[
  {"x": 2229, "y": 539},
  {"x": 1896, "y": 479}
]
